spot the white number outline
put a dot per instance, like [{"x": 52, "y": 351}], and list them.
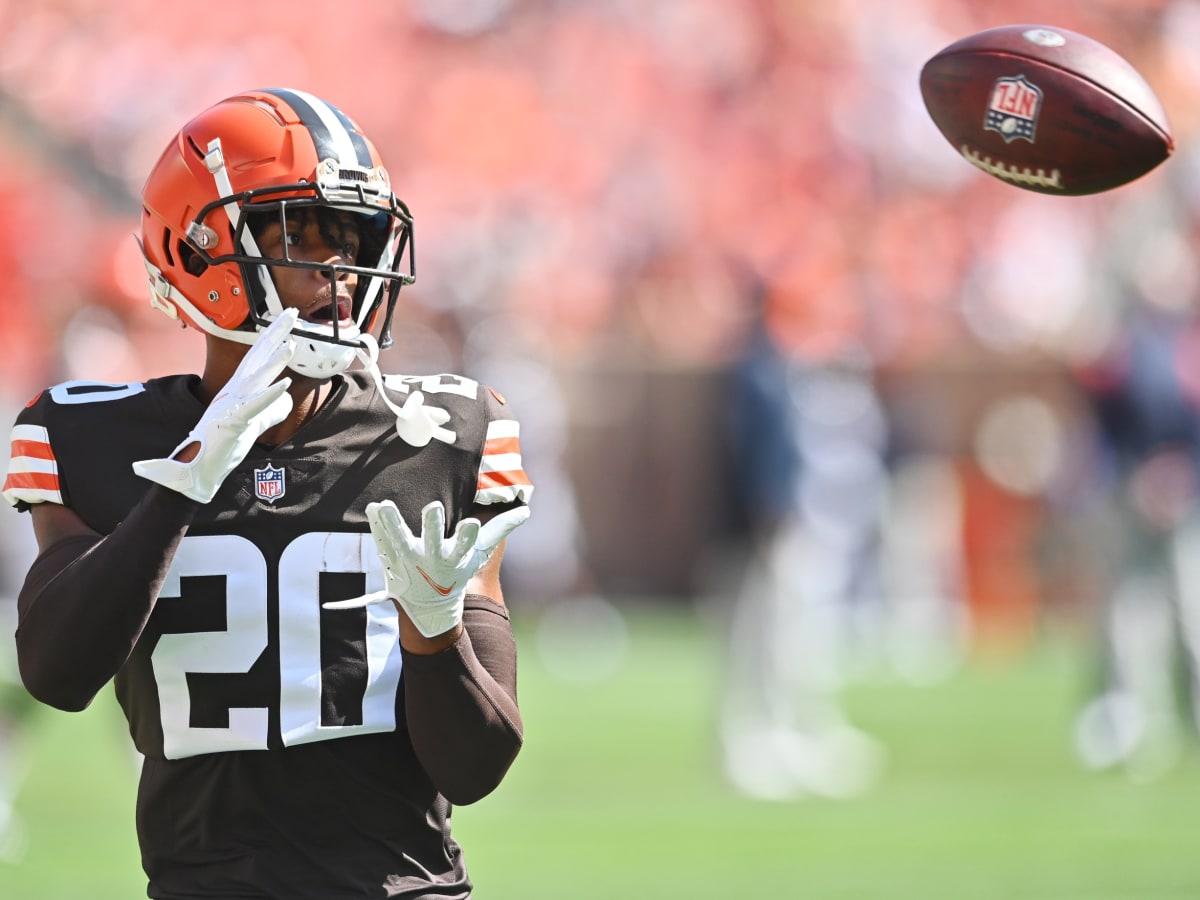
[
  {"x": 103, "y": 393},
  {"x": 433, "y": 384}
]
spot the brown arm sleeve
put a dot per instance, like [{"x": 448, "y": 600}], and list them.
[
  {"x": 86, "y": 599},
  {"x": 462, "y": 705}
]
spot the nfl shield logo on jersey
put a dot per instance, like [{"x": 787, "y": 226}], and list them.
[
  {"x": 268, "y": 483},
  {"x": 1013, "y": 109}
]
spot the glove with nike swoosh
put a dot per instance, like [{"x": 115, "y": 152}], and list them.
[
  {"x": 250, "y": 402},
  {"x": 428, "y": 575}
]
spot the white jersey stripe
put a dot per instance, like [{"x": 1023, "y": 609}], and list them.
[
  {"x": 24, "y": 464},
  {"x": 31, "y": 433},
  {"x": 503, "y": 428},
  {"x": 32, "y": 495},
  {"x": 500, "y": 462}
]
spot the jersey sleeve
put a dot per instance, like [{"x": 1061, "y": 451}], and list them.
[
  {"x": 32, "y": 475},
  {"x": 502, "y": 478}
]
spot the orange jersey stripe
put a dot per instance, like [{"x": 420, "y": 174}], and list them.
[
  {"x": 36, "y": 449},
  {"x": 501, "y": 445},
  {"x": 41, "y": 481},
  {"x": 503, "y": 479}
]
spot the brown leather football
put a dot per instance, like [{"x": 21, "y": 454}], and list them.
[{"x": 1046, "y": 109}]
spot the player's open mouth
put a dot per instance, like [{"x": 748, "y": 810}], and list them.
[{"x": 325, "y": 312}]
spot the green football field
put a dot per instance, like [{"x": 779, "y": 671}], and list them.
[{"x": 617, "y": 794}]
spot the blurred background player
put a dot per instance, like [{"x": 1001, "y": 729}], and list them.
[
  {"x": 809, "y": 439},
  {"x": 1145, "y": 398}
]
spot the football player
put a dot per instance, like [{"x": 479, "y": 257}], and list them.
[{"x": 288, "y": 566}]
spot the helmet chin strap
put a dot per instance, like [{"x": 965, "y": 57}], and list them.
[
  {"x": 313, "y": 358},
  {"x": 416, "y": 423}
]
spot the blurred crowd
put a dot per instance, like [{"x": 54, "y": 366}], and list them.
[{"x": 620, "y": 205}]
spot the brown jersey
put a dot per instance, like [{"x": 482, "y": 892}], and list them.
[{"x": 277, "y": 758}]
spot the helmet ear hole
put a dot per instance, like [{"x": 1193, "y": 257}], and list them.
[
  {"x": 196, "y": 148},
  {"x": 166, "y": 247},
  {"x": 193, "y": 263}
]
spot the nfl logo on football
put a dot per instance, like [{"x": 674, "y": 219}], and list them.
[
  {"x": 268, "y": 484},
  {"x": 1013, "y": 109}
]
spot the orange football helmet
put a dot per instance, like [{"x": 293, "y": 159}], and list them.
[{"x": 270, "y": 152}]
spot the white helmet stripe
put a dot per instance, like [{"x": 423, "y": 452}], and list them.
[{"x": 332, "y": 132}]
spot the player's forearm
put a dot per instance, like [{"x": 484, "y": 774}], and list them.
[
  {"x": 462, "y": 705},
  {"x": 86, "y": 599}
]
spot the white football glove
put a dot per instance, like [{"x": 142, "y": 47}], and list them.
[
  {"x": 428, "y": 575},
  {"x": 251, "y": 402}
]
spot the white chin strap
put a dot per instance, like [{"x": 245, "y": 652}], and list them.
[
  {"x": 314, "y": 358},
  {"x": 416, "y": 423}
]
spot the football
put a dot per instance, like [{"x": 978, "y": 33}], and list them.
[{"x": 1046, "y": 109}]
